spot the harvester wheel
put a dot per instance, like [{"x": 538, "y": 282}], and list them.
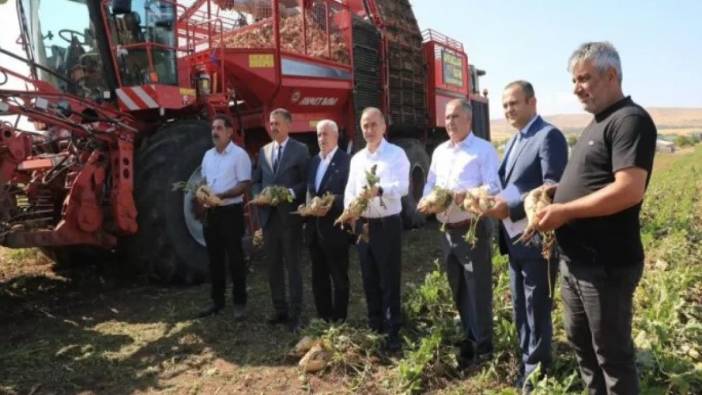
[
  {"x": 419, "y": 168},
  {"x": 164, "y": 247}
]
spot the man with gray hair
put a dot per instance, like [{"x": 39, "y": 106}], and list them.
[
  {"x": 596, "y": 218},
  {"x": 282, "y": 162},
  {"x": 329, "y": 245},
  {"x": 463, "y": 162}
]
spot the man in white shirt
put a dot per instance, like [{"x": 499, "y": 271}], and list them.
[
  {"x": 380, "y": 257},
  {"x": 463, "y": 162},
  {"x": 329, "y": 244},
  {"x": 226, "y": 169}
]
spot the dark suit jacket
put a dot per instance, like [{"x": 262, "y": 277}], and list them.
[
  {"x": 322, "y": 229},
  {"x": 292, "y": 173},
  {"x": 541, "y": 157}
]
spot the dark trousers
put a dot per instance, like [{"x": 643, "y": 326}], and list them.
[
  {"x": 223, "y": 230},
  {"x": 532, "y": 302},
  {"x": 381, "y": 262},
  {"x": 330, "y": 266},
  {"x": 597, "y": 306},
  {"x": 283, "y": 245},
  {"x": 469, "y": 273}
]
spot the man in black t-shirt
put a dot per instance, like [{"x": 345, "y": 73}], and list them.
[{"x": 596, "y": 217}]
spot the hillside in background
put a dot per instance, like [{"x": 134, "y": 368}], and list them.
[{"x": 668, "y": 120}]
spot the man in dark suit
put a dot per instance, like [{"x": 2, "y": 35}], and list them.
[
  {"x": 329, "y": 244},
  {"x": 535, "y": 155},
  {"x": 282, "y": 162}
]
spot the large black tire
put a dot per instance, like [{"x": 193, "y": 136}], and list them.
[
  {"x": 163, "y": 247},
  {"x": 77, "y": 255},
  {"x": 419, "y": 168}
]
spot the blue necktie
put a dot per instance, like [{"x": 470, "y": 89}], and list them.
[
  {"x": 513, "y": 152},
  {"x": 276, "y": 162}
]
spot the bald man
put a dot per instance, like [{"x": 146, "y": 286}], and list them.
[{"x": 380, "y": 255}]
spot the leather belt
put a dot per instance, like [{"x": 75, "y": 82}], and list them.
[{"x": 459, "y": 225}]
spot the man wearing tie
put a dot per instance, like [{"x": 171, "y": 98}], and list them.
[
  {"x": 282, "y": 162},
  {"x": 535, "y": 155},
  {"x": 329, "y": 244}
]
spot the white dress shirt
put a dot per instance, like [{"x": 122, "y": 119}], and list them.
[
  {"x": 224, "y": 170},
  {"x": 323, "y": 166},
  {"x": 458, "y": 167},
  {"x": 393, "y": 171}
]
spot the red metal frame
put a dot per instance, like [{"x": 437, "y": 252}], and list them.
[
  {"x": 439, "y": 91},
  {"x": 254, "y": 75}
]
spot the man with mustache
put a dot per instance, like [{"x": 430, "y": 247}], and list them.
[
  {"x": 226, "y": 169},
  {"x": 283, "y": 162}
]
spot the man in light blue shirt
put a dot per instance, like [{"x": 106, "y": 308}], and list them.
[{"x": 464, "y": 162}]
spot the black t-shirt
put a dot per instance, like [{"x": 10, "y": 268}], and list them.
[{"x": 619, "y": 137}]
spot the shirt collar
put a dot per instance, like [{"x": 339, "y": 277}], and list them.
[
  {"x": 465, "y": 143},
  {"x": 276, "y": 144},
  {"x": 227, "y": 149},
  {"x": 380, "y": 149},
  {"x": 525, "y": 129},
  {"x": 626, "y": 100},
  {"x": 329, "y": 155}
]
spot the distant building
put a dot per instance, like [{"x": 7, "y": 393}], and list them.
[{"x": 665, "y": 146}]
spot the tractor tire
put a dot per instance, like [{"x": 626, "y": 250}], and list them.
[
  {"x": 77, "y": 255},
  {"x": 419, "y": 168},
  {"x": 164, "y": 248}
]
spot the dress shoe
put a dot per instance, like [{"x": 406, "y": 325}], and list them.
[
  {"x": 212, "y": 310},
  {"x": 239, "y": 312},
  {"x": 295, "y": 325},
  {"x": 278, "y": 318},
  {"x": 393, "y": 343}
]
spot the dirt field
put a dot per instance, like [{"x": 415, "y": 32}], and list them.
[
  {"x": 85, "y": 330},
  {"x": 81, "y": 331}
]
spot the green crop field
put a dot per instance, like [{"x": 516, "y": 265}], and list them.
[{"x": 87, "y": 330}]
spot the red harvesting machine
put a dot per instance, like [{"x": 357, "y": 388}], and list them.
[{"x": 119, "y": 93}]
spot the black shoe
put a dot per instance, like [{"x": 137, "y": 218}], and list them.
[
  {"x": 527, "y": 388},
  {"x": 466, "y": 354},
  {"x": 239, "y": 312},
  {"x": 393, "y": 343},
  {"x": 278, "y": 318},
  {"x": 212, "y": 310},
  {"x": 295, "y": 325}
]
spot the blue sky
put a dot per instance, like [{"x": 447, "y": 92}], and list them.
[{"x": 660, "y": 43}]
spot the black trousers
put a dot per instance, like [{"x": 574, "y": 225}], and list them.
[
  {"x": 330, "y": 278},
  {"x": 283, "y": 243},
  {"x": 223, "y": 230},
  {"x": 469, "y": 274},
  {"x": 381, "y": 262},
  {"x": 597, "y": 308},
  {"x": 529, "y": 285}
]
